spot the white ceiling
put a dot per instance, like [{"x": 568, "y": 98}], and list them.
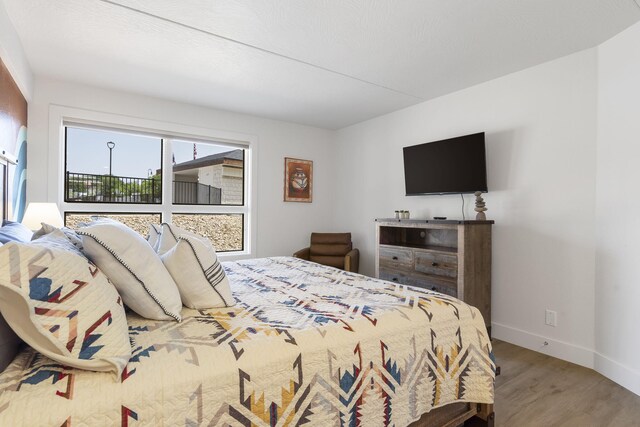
[{"x": 328, "y": 63}]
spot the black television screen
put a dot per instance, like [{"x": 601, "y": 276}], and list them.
[{"x": 455, "y": 165}]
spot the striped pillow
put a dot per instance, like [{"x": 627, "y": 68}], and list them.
[
  {"x": 169, "y": 235},
  {"x": 201, "y": 280},
  {"x": 134, "y": 268}
]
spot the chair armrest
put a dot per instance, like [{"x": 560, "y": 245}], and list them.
[
  {"x": 302, "y": 254},
  {"x": 352, "y": 261}
]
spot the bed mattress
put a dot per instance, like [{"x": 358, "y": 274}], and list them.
[{"x": 305, "y": 345}]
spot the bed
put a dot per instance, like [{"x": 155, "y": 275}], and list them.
[{"x": 304, "y": 345}]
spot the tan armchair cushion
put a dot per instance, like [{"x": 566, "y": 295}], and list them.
[
  {"x": 330, "y": 248},
  {"x": 333, "y": 249}
]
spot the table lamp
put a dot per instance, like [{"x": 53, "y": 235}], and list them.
[{"x": 38, "y": 213}]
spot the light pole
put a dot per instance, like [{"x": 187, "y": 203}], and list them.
[{"x": 110, "y": 144}]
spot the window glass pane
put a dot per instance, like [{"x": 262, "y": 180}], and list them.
[
  {"x": 207, "y": 174},
  {"x": 224, "y": 231},
  {"x": 112, "y": 167},
  {"x": 138, "y": 221}
]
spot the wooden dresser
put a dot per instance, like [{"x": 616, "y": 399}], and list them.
[{"x": 448, "y": 256}]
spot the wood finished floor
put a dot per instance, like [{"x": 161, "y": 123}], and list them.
[{"x": 538, "y": 390}]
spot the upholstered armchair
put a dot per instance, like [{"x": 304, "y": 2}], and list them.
[{"x": 333, "y": 249}]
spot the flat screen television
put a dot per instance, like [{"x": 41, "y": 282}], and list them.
[{"x": 450, "y": 166}]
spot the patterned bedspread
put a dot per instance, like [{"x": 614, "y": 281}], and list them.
[{"x": 305, "y": 345}]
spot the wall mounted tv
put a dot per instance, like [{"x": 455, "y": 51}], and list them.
[{"x": 451, "y": 166}]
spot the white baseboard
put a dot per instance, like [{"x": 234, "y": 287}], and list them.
[
  {"x": 559, "y": 349},
  {"x": 621, "y": 374}
]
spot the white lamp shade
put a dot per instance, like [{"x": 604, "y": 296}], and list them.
[{"x": 38, "y": 213}]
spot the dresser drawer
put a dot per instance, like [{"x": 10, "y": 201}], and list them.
[
  {"x": 443, "y": 289},
  {"x": 394, "y": 276},
  {"x": 396, "y": 256},
  {"x": 419, "y": 281},
  {"x": 437, "y": 264}
]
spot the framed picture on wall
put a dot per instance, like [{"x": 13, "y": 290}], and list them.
[{"x": 298, "y": 180}]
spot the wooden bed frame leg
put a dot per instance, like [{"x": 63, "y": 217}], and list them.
[{"x": 485, "y": 416}]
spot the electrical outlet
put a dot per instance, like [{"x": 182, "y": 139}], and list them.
[{"x": 550, "y": 318}]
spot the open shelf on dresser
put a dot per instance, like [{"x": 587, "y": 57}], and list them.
[{"x": 448, "y": 256}]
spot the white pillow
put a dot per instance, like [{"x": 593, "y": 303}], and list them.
[
  {"x": 134, "y": 268},
  {"x": 154, "y": 236},
  {"x": 194, "y": 266},
  {"x": 169, "y": 237},
  {"x": 60, "y": 304},
  {"x": 68, "y": 232}
]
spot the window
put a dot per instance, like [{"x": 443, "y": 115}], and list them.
[
  {"x": 197, "y": 185},
  {"x": 112, "y": 167}
]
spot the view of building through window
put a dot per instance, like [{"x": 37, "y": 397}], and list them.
[
  {"x": 212, "y": 175},
  {"x": 114, "y": 167}
]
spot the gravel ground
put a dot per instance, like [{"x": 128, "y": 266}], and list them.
[{"x": 224, "y": 231}]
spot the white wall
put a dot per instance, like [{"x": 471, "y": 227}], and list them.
[
  {"x": 541, "y": 141},
  {"x": 618, "y": 210},
  {"x": 547, "y": 127},
  {"x": 282, "y": 227},
  {"x": 13, "y": 55}
]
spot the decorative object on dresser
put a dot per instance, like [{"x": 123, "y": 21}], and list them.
[
  {"x": 480, "y": 207},
  {"x": 452, "y": 257},
  {"x": 298, "y": 180}
]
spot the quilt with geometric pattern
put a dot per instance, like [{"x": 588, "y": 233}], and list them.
[{"x": 305, "y": 345}]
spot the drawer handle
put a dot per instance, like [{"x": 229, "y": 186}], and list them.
[
  {"x": 434, "y": 264},
  {"x": 395, "y": 258}
]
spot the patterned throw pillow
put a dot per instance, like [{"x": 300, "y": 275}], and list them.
[
  {"x": 134, "y": 268},
  {"x": 60, "y": 304},
  {"x": 194, "y": 265}
]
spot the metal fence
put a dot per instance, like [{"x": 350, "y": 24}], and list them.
[
  {"x": 82, "y": 187},
  {"x": 194, "y": 193}
]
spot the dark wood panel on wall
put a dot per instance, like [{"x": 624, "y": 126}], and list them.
[
  {"x": 13, "y": 144},
  {"x": 13, "y": 110}
]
